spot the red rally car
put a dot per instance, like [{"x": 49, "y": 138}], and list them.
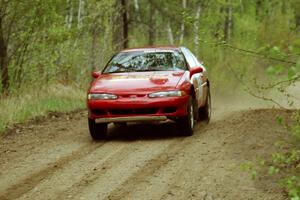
[{"x": 149, "y": 84}]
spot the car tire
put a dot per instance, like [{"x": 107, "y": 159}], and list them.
[
  {"x": 195, "y": 108},
  {"x": 205, "y": 111},
  {"x": 97, "y": 131},
  {"x": 186, "y": 124}
]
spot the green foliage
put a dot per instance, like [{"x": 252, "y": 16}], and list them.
[
  {"x": 296, "y": 127},
  {"x": 57, "y": 41},
  {"x": 273, "y": 170},
  {"x": 285, "y": 162},
  {"x": 32, "y": 103},
  {"x": 50, "y": 41},
  {"x": 293, "y": 186}
]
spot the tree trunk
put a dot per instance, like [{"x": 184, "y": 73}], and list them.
[
  {"x": 69, "y": 14},
  {"x": 116, "y": 21},
  {"x": 93, "y": 49},
  {"x": 182, "y": 24},
  {"x": 170, "y": 33},
  {"x": 196, "y": 30},
  {"x": 3, "y": 62},
  {"x": 80, "y": 13},
  {"x": 298, "y": 22},
  {"x": 137, "y": 10},
  {"x": 125, "y": 23},
  {"x": 228, "y": 22},
  {"x": 19, "y": 66},
  {"x": 257, "y": 9},
  {"x": 151, "y": 26}
]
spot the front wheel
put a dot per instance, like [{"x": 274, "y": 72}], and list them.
[
  {"x": 205, "y": 111},
  {"x": 97, "y": 131},
  {"x": 186, "y": 124}
]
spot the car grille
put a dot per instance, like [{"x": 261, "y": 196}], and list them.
[
  {"x": 169, "y": 110},
  {"x": 99, "y": 112},
  {"x": 139, "y": 111}
]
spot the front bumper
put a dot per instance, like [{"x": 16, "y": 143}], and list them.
[
  {"x": 131, "y": 119},
  {"x": 137, "y": 109}
]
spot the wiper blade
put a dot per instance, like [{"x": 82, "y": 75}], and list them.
[
  {"x": 150, "y": 70},
  {"x": 146, "y": 70},
  {"x": 118, "y": 72},
  {"x": 112, "y": 72}
]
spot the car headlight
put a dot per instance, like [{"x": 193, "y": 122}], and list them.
[
  {"x": 102, "y": 96},
  {"x": 167, "y": 94}
]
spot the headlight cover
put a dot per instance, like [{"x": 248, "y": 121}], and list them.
[
  {"x": 175, "y": 93},
  {"x": 102, "y": 96}
]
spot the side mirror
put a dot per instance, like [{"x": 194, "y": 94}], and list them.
[
  {"x": 195, "y": 70},
  {"x": 96, "y": 74}
]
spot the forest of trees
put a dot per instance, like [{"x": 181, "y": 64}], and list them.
[{"x": 48, "y": 42}]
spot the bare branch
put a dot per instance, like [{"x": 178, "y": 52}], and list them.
[
  {"x": 291, "y": 80},
  {"x": 264, "y": 98}
]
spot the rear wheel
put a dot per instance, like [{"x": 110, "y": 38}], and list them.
[
  {"x": 205, "y": 111},
  {"x": 97, "y": 131},
  {"x": 186, "y": 124}
]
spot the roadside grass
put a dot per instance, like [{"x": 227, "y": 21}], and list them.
[
  {"x": 38, "y": 102},
  {"x": 283, "y": 165}
]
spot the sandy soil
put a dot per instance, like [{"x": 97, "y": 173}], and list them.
[{"x": 55, "y": 158}]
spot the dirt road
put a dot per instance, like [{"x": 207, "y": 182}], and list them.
[{"x": 54, "y": 158}]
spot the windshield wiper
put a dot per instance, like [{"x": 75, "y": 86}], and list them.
[
  {"x": 144, "y": 70},
  {"x": 118, "y": 72},
  {"x": 150, "y": 70}
]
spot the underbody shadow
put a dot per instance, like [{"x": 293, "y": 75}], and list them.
[{"x": 143, "y": 131}]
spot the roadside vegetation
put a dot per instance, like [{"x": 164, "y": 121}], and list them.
[
  {"x": 49, "y": 48},
  {"x": 33, "y": 103}
]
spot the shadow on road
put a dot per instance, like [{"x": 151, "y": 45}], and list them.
[{"x": 149, "y": 131}]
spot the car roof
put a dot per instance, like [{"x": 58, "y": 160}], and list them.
[{"x": 151, "y": 48}]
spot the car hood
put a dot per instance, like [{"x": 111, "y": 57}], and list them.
[{"x": 136, "y": 82}]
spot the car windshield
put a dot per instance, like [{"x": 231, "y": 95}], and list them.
[{"x": 136, "y": 61}]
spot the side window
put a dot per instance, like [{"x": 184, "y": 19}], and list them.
[{"x": 190, "y": 57}]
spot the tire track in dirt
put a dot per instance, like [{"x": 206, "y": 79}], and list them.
[
  {"x": 27, "y": 184},
  {"x": 142, "y": 161},
  {"x": 79, "y": 174},
  {"x": 100, "y": 184},
  {"x": 67, "y": 176},
  {"x": 155, "y": 178},
  {"x": 35, "y": 145},
  {"x": 182, "y": 188},
  {"x": 153, "y": 165},
  {"x": 216, "y": 172},
  {"x": 198, "y": 159}
]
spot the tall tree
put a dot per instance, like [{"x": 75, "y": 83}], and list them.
[
  {"x": 196, "y": 29},
  {"x": 69, "y": 14},
  {"x": 228, "y": 20},
  {"x": 3, "y": 59},
  {"x": 151, "y": 25},
  {"x": 80, "y": 13},
  {"x": 182, "y": 28},
  {"x": 125, "y": 23},
  {"x": 170, "y": 33}
]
